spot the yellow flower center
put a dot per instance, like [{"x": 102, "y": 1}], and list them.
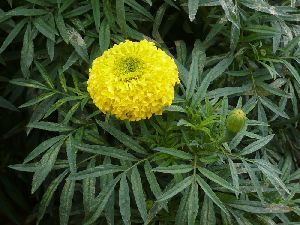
[{"x": 128, "y": 69}]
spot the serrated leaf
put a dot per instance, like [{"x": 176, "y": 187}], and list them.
[
  {"x": 71, "y": 60},
  {"x": 273, "y": 90},
  {"x": 42, "y": 147},
  {"x": 231, "y": 12},
  {"x": 192, "y": 8},
  {"x": 105, "y": 180},
  {"x": 104, "y": 36},
  {"x": 234, "y": 175},
  {"x": 45, "y": 166},
  {"x": 21, "y": 11},
  {"x": 7, "y": 105},
  {"x": 80, "y": 10},
  {"x": 174, "y": 152},
  {"x": 27, "y": 51},
  {"x": 139, "y": 8},
  {"x": 37, "y": 2},
  {"x": 293, "y": 71},
  {"x": 61, "y": 102},
  {"x": 254, "y": 180},
  {"x": 270, "y": 105},
  {"x": 65, "y": 5},
  {"x": 50, "y": 126},
  {"x": 193, "y": 203},
  {"x": 213, "y": 74},
  {"x": 43, "y": 27},
  {"x": 40, "y": 111},
  {"x": 71, "y": 154},
  {"x": 178, "y": 187},
  {"x": 109, "y": 13},
  {"x": 263, "y": 29},
  {"x": 254, "y": 146},
  {"x": 28, "y": 83},
  {"x": 48, "y": 195},
  {"x": 209, "y": 192},
  {"x": 198, "y": 61},
  {"x": 101, "y": 201},
  {"x": 138, "y": 193},
  {"x": 96, "y": 13},
  {"x": 62, "y": 27},
  {"x": 207, "y": 212},
  {"x": 12, "y": 35},
  {"x": 123, "y": 138},
  {"x": 181, "y": 51},
  {"x": 124, "y": 200},
  {"x": 106, "y": 151},
  {"x": 221, "y": 92},
  {"x": 217, "y": 179},
  {"x": 157, "y": 21},
  {"x": 96, "y": 171},
  {"x": 78, "y": 43},
  {"x": 259, "y": 208},
  {"x": 121, "y": 19},
  {"x": 173, "y": 169},
  {"x": 71, "y": 112},
  {"x": 66, "y": 201},
  {"x": 182, "y": 211},
  {"x": 30, "y": 167},
  {"x": 44, "y": 74},
  {"x": 88, "y": 190},
  {"x": 154, "y": 186},
  {"x": 174, "y": 108},
  {"x": 35, "y": 101},
  {"x": 273, "y": 178}
]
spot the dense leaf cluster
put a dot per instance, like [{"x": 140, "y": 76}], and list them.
[{"x": 179, "y": 168}]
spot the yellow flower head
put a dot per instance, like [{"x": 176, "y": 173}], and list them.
[{"x": 133, "y": 80}]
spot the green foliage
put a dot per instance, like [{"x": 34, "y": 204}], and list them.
[{"x": 178, "y": 168}]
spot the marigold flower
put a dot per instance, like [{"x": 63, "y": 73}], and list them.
[{"x": 133, "y": 80}]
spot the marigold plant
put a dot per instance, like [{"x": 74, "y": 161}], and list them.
[{"x": 145, "y": 112}]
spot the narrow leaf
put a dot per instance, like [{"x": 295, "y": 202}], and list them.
[
  {"x": 124, "y": 200},
  {"x": 254, "y": 146},
  {"x": 138, "y": 193},
  {"x": 270, "y": 105},
  {"x": 96, "y": 172},
  {"x": 101, "y": 201},
  {"x": 42, "y": 147},
  {"x": 213, "y": 74},
  {"x": 45, "y": 166},
  {"x": 217, "y": 179},
  {"x": 174, "y": 152},
  {"x": 50, "y": 126},
  {"x": 179, "y": 187},
  {"x": 48, "y": 195},
  {"x": 209, "y": 192},
  {"x": 66, "y": 201},
  {"x": 173, "y": 169},
  {"x": 208, "y": 216},
  {"x": 7, "y": 105},
  {"x": 123, "y": 138},
  {"x": 106, "y": 151},
  {"x": 96, "y": 13},
  {"x": 12, "y": 35},
  {"x": 193, "y": 203}
]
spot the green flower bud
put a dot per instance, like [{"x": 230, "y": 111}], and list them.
[
  {"x": 263, "y": 52},
  {"x": 236, "y": 120},
  {"x": 149, "y": 204}
]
